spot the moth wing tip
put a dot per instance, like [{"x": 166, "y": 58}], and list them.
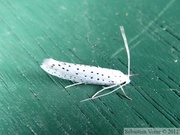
[{"x": 46, "y": 62}]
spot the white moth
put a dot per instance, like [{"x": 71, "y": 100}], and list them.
[{"x": 85, "y": 74}]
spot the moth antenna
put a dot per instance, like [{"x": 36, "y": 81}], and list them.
[
  {"x": 126, "y": 46},
  {"x": 133, "y": 74}
]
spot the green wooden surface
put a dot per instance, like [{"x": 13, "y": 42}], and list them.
[{"x": 87, "y": 32}]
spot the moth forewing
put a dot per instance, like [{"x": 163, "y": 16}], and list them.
[{"x": 82, "y": 73}]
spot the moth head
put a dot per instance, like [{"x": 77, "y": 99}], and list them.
[{"x": 126, "y": 80}]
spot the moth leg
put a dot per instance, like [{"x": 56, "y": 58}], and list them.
[
  {"x": 101, "y": 95},
  {"x": 105, "y": 88},
  {"x": 86, "y": 99},
  {"x": 107, "y": 94},
  {"x": 94, "y": 96},
  {"x": 125, "y": 93},
  {"x": 73, "y": 84},
  {"x": 112, "y": 92}
]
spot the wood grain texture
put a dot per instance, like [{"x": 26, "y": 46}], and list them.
[{"x": 87, "y": 32}]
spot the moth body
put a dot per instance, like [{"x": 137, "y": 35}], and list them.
[{"x": 84, "y": 73}]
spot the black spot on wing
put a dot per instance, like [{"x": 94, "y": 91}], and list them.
[
  {"x": 123, "y": 83},
  {"x": 52, "y": 65}
]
